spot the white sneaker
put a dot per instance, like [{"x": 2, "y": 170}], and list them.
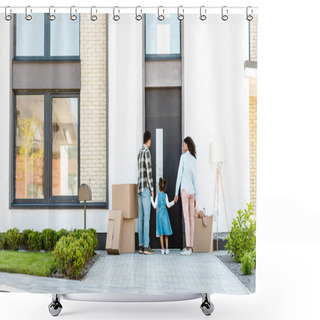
[
  {"x": 186, "y": 252},
  {"x": 162, "y": 251},
  {"x": 167, "y": 251}
]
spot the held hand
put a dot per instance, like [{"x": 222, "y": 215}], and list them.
[
  {"x": 175, "y": 199},
  {"x": 152, "y": 195}
]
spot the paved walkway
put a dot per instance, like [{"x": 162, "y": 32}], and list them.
[{"x": 140, "y": 274}]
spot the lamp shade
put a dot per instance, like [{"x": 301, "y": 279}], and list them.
[{"x": 217, "y": 152}]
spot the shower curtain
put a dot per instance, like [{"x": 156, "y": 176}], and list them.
[{"x": 78, "y": 91}]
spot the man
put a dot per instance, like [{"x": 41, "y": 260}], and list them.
[{"x": 145, "y": 192}]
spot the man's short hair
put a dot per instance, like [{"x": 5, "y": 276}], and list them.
[{"x": 146, "y": 136}]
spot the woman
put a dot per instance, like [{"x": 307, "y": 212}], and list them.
[{"x": 187, "y": 181}]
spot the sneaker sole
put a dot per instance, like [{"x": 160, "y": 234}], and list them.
[{"x": 148, "y": 253}]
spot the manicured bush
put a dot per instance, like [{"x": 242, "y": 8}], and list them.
[
  {"x": 13, "y": 239},
  {"x": 71, "y": 256},
  {"x": 72, "y": 252},
  {"x": 62, "y": 233},
  {"x": 93, "y": 233},
  {"x": 25, "y": 235},
  {"x": 35, "y": 241},
  {"x": 49, "y": 239},
  {"x": 2, "y": 242},
  {"x": 247, "y": 263},
  {"x": 242, "y": 237}
]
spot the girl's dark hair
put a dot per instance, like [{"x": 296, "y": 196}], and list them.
[
  {"x": 163, "y": 184},
  {"x": 191, "y": 146}
]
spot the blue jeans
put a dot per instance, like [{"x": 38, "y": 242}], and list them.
[{"x": 144, "y": 202}]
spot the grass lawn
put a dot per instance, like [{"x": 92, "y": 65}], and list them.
[{"x": 32, "y": 263}]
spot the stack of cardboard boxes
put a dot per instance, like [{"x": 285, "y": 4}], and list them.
[{"x": 121, "y": 224}]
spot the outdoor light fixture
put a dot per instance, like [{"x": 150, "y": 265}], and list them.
[{"x": 217, "y": 156}]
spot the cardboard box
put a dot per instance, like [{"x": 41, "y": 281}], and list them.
[
  {"x": 125, "y": 198},
  {"x": 128, "y": 236},
  {"x": 114, "y": 232},
  {"x": 203, "y": 235}
]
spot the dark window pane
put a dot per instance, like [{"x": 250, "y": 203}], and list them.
[
  {"x": 30, "y": 35},
  {"x": 162, "y": 37},
  {"x": 29, "y": 147},
  {"x": 65, "y": 146},
  {"x": 64, "y": 36}
]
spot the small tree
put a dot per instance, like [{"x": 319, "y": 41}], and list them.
[{"x": 242, "y": 237}]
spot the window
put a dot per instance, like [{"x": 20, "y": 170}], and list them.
[
  {"x": 46, "y": 148},
  {"x": 42, "y": 39},
  {"x": 162, "y": 37}
]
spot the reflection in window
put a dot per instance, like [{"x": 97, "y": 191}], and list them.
[
  {"x": 162, "y": 37},
  {"x": 30, "y": 35},
  {"x": 65, "y": 146},
  {"x": 64, "y": 36},
  {"x": 29, "y": 147},
  {"x": 42, "y": 39}
]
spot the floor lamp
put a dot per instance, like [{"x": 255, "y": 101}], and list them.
[{"x": 217, "y": 156}]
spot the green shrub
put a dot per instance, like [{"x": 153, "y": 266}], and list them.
[
  {"x": 2, "y": 242},
  {"x": 93, "y": 233},
  {"x": 60, "y": 253},
  {"x": 242, "y": 237},
  {"x": 35, "y": 241},
  {"x": 75, "y": 258},
  {"x": 13, "y": 239},
  {"x": 247, "y": 263},
  {"x": 254, "y": 257},
  {"x": 49, "y": 239},
  {"x": 25, "y": 235},
  {"x": 62, "y": 233},
  {"x": 72, "y": 252},
  {"x": 70, "y": 255}
]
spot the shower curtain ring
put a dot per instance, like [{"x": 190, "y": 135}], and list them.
[
  {"x": 180, "y": 15},
  {"x": 7, "y": 15},
  {"x": 116, "y": 17},
  {"x": 203, "y": 13},
  {"x": 73, "y": 16},
  {"x": 224, "y": 13},
  {"x": 160, "y": 16},
  {"x": 138, "y": 16},
  {"x": 249, "y": 16},
  {"x": 52, "y": 16},
  {"x": 28, "y": 15},
  {"x": 93, "y": 17}
]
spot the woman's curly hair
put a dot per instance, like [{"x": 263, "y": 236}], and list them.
[{"x": 191, "y": 146}]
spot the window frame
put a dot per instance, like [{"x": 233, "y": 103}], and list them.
[
  {"x": 46, "y": 56},
  {"x": 48, "y": 200},
  {"x": 157, "y": 57}
]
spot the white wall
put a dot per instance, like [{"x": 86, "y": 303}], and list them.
[
  {"x": 5, "y": 218},
  {"x": 216, "y": 106},
  {"x": 126, "y": 99}
]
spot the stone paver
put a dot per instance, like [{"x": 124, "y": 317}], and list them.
[{"x": 140, "y": 274}]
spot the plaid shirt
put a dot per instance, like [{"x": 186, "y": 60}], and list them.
[{"x": 144, "y": 170}]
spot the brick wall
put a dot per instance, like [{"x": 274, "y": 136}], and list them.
[
  {"x": 93, "y": 106},
  {"x": 254, "y": 38},
  {"x": 253, "y": 115}
]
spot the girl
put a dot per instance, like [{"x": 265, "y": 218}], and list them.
[{"x": 163, "y": 221}]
